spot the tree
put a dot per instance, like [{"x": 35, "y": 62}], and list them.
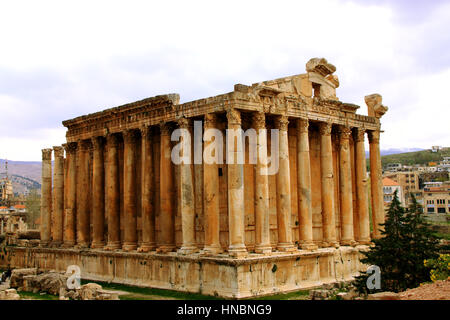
[{"x": 406, "y": 242}]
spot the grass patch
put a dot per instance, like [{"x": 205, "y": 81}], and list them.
[
  {"x": 296, "y": 295},
  {"x": 36, "y": 296},
  {"x": 140, "y": 293},
  {"x": 445, "y": 236}
]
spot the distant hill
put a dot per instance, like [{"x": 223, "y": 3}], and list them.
[
  {"x": 24, "y": 175},
  {"x": 417, "y": 157}
]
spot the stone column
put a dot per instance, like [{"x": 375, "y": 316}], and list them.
[
  {"x": 98, "y": 194},
  {"x": 304, "y": 186},
  {"x": 58, "y": 196},
  {"x": 211, "y": 194},
  {"x": 236, "y": 222},
  {"x": 345, "y": 187},
  {"x": 361, "y": 188},
  {"x": 83, "y": 227},
  {"x": 376, "y": 184},
  {"x": 187, "y": 192},
  {"x": 148, "y": 212},
  {"x": 129, "y": 191},
  {"x": 112, "y": 193},
  {"x": 262, "y": 226},
  {"x": 167, "y": 210},
  {"x": 284, "y": 189},
  {"x": 328, "y": 201},
  {"x": 46, "y": 197},
  {"x": 71, "y": 191}
]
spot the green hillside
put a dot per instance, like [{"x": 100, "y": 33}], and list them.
[{"x": 417, "y": 157}]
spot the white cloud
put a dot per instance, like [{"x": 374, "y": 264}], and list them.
[{"x": 98, "y": 54}]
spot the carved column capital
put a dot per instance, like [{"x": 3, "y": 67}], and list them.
[
  {"x": 282, "y": 123},
  {"x": 97, "y": 142},
  {"x": 259, "y": 120},
  {"x": 129, "y": 136},
  {"x": 58, "y": 151},
  {"x": 210, "y": 120},
  {"x": 70, "y": 147},
  {"x": 165, "y": 128},
  {"x": 325, "y": 128},
  {"x": 359, "y": 134},
  {"x": 112, "y": 140},
  {"x": 302, "y": 125},
  {"x": 374, "y": 136},
  {"x": 47, "y": 154},
  {"x": 84, "y": 144},
  {"x": 234, "y": 117},
  {"x": 145, "y": 131},
  {"x": 183, "y": 123},
  {"x": 344, "y": 132}
]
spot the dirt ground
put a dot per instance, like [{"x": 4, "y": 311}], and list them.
[{"x": 439, "y": 290}]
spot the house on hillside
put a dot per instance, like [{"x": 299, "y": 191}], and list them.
[{"x": 389, "y": 188}]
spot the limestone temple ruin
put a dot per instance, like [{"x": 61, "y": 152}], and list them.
[{"x": 118, "y": 207}]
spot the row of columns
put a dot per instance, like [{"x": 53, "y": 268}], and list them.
[{"x": 355, "y": 226}]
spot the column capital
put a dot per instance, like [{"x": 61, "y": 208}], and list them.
[
  {"x": 58, "y": 151},
  {"x": 47, "y": 154},
  {"x": 129, "y": 136},
  {"x": 183, "y": 123},
  {"x": 112, "y": 140},
  {"x": 84, "y": 144},
  {"x": 97, "y": 142},
  {"x": 325, "y": 128},
  {"x": 165, "y": 128},
  {"x": 70, "y": 147},
  {"x": 374, "y": 136},
  {"x": 302, "y": 125},
  {"x": 344, "y": 132},
  {"x": 359, "y": 134},
  {"x": 282, "y": 123},
  {"x": 233, "y": 116},
  {"x": 145, "y": 131},
  {"x": 259, "y": 120},
  {"x": 210, "y": 120}
]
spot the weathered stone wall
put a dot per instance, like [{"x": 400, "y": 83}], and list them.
[{"x": 232, "y": 278}]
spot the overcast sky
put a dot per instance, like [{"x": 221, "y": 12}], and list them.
[{"x": 62, "y": 59}]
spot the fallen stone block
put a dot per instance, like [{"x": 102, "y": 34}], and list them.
[{"x": 383, "y": 296}]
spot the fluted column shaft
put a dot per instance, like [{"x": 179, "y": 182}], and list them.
[
  {"x": 262, "y": 226},
  {"x": 98, "y": 198},
  {"x": 328, "y": 201},
  {"x": 83, "y": 227},
  {"x": 235, "y": 171},
  {"x": 112, "y": 193},
  {"x": 361, "y": 188},
  {"x": 211, "y": 193},
  {"x": 46, "y": 197},
  {"x": 376, "y": 183},
  {"x": 345, "y": 187},
  {"x": 148, "y": 212},
  {"x": 71, "y": 191},
  {"x": 187, "y": 191},
  {"x": 58, "y": 196},
  {"x": 129, "y": 191},
  {"x": 284, "y": 189},
  {"x": 167, "y": 216},
  {"x": 304, "y": 186}
]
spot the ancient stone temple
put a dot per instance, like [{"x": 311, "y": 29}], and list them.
[{"x": 116, "y": 204}]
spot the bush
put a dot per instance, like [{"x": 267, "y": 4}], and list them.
[{"x": 440, "y": 267}]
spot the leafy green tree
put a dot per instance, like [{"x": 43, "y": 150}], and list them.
[{"x": 406, "y": 242}]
